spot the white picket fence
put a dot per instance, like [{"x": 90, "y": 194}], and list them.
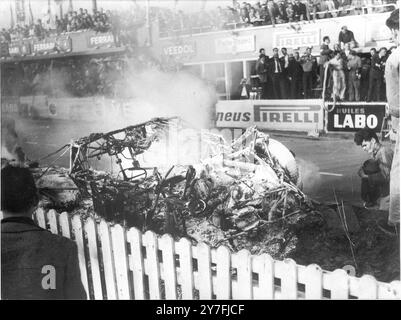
[{"x": 125, "y": 264}]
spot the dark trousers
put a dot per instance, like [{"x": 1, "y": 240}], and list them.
[
  {"x": 278, "y": 82},
  {"x": 370, "y": 192},
  {"x": 295, "y": 88},
  {"x": 265, "y": 90},
  {"x": 307, "y": 84},
  {"x": 375, "y": 85}
]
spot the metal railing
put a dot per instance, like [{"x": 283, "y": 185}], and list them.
[{"x": 311, "y": 15}]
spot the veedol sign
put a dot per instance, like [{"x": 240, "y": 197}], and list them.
[
  {"x": 235, "y": 44},
  {"x": 297, "y": 39},
  {"x": 353, "y": 117},
  {"x": 178, "y": 50},
  {"x": 302, "y": 115}
]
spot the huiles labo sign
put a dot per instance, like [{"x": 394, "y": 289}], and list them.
[{"x": 351, "y": 117}]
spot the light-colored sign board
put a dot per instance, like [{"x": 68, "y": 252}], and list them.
[
  {"x": 285, "y": 115},
  {"x": 293, "y": 39},
  {"x": 235, "y": 44}
]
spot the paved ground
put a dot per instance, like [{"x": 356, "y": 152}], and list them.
[{"x": 329, "y": 164}]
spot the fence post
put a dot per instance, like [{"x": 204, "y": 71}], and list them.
[
  {"x": 313, "y": 279},
  {"x": 52, "y": 218},
  {"x": 120, "y": 261},
  {"x": 184, "y": 249},
  {"x": 65, "y": 225},
  {"x": 166, "y": 245},
  {"x": 108, "y": 261},
  {"x": 152, "y": 264},
  {"x": 40, "y": 216},
  {"x": 134, "y": 238},
  {"x": 90, "y": 230},
  {"x": 287, "y": 271},
  {"x": 339, "y": 284},
  {"x": 263, "y": 265},
  {"x": 77, "y": 231},
  {"x": 223, "y": 264},
  {"x": 204, "y": 271},
  {"x": 242, "y": 289}
]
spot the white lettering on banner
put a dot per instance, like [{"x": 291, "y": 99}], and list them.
[
  {"x": 235, "y": 44},
  {"x": 179, "y": 50},
  {"x": 358, "y": 122},
  {"x": 14, "y": 50},
  {"x": 296, "y": 40},
  {"x": 274, "y": 115},
  {"x": 108, "y": 38},
  {"x": 43, "y": 46}
]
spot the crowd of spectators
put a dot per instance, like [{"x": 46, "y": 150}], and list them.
[
  {"x": 350, "y": 76},
  {"x": 73, "y": 21},
  {"x": 175, "y": 22},
  {"x": 265, "y": 12}
]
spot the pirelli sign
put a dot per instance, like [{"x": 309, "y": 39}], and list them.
[{"x": 286, "y": 115}]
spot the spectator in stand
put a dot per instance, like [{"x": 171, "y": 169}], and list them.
[
  {"x": 365, "y": 70},
  {"x": 299, "y": 11},
  {"x": 354, "y": 66},
  {"x": 38, "y": 30},
  {"x": 376, "y": 75},
  {"x": 273, "y": 11},
  {"x": 244, "y": 17},
  {"x": 262, "y": 70},
  {"x": 346, "y": 36},
  {"x": 325, "y": 55},
  {"x": 282, "y": 13},
  {"x": 295, "y": 76},
  {"x": 244, "y": 89},
  {"x": 338, "y": 76},
  {"x": 254, "y": 17},
  {"x": 290, "y": 12},
  {"x": 284, "y": 60},
  {"x": 276, "y": 72},
  {"x": 308, "y": 65}
]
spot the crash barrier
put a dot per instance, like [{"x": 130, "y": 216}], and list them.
[
  {"x": 119, "y": 263},
  {"x": 288, "y": 115},
  {"x": 353, "y": 116}
]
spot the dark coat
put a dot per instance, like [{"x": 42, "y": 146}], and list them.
[
  {"x": 262, "y": 70},
  {"x": 25, "y": 250},
  {"x": 272, "y": 65}
]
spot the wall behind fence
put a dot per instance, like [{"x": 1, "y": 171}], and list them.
[{"x": 117, "y": 263}]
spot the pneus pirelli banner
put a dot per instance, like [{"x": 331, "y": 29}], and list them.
[
  {"x": 351, "y": 117},
  {"x": 285, "y": 115}
]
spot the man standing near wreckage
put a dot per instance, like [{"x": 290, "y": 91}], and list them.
[{"x": 392, "y": 77}]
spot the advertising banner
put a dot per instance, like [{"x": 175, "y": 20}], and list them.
[
  {"x": 180, "y": 51},
  {"x": 100, "y": 40},
  {"x": 235, "y": 44},
  {"x": 285, "y": 115},
  {"x": 351, "y": 117},
  {"x": 59, "y": 44},
  {"x": 292, "y": 39},
  {"x": 19, "y": 48}
]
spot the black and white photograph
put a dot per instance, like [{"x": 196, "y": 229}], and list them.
[{"x": 200, "y": 150}]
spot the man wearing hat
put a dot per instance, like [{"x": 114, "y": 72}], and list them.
[{"x": 35, "y": 264}]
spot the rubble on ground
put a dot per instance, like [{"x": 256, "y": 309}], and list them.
[{"x": 244, "y": 195}]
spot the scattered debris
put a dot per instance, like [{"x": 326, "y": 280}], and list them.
[{"x": 245, "y": 194}]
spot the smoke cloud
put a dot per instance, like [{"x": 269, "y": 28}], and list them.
[{"x": 309, "y": 174}]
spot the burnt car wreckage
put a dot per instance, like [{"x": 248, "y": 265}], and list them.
[{"x": 246, "y": 195}]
